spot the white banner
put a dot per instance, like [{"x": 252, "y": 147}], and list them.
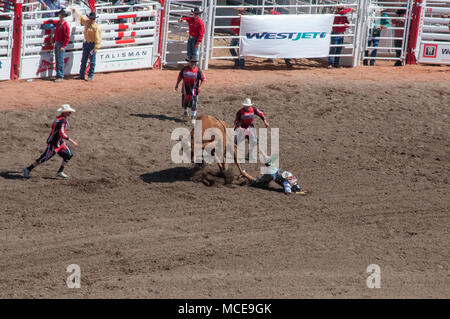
[
  {"x": 5, "y": 68},
  {"x": 286, "y": 36},
  {"x": 106, "y": 60},
  {"x": 434, "y": 53}
]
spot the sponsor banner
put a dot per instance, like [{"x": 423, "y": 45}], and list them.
[
  {"x": 106, "y": 60},
  {"x": 286, "y": 36},
  {"x": 435, "y": 53},
  {"x": 5, "y": 68}
]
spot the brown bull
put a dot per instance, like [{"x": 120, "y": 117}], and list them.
[{"x": 208, "y": 121}]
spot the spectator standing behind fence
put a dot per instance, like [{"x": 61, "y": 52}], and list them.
[
  {"x": 238, "y": 62},
  {"x": 399, "y": 23},
  {"x": 62, "y": 37},
  {"x": 338, "y": 32},
  {"x": 49, "y": 5},
  {"x": 374, "y": 36},
  {"x": 91, "y": 44},
  {"x": 119, "y": 10},
  {"x": 196, "y": 33},
  {"x": 287, "y": 61}
]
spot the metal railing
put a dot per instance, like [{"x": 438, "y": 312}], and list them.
[
  {"x": 391, "y": 42},
  {"x": 222, "y": 31},
  {"x": 122, "y": 27}
]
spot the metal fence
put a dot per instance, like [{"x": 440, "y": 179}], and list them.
[
  {"x": 6, "y": 28},
  {"x": 435, "y": 33},
  {"x": 222, "y": 34},
  {"x": 176, "y": 33},
  {"x": 130, "y": 38},
  {"x": 386, "y": 30}
]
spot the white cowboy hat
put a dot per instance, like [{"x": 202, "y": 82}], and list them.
[
  {"x": 247, "y": 102},
  {"x": 65, "y": 108}
]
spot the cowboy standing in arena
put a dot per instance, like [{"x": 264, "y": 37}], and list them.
[
  {"x": 283, "y": 178},
  {"x": 56, "y": 143},
  {"x": 192, "y": 77},
  {"x": 196, "y": 33},
  {"x": 62, "y": 37},
  {"x": 91, "y": 44}
]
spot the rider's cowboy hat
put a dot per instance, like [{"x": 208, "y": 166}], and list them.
[
  {"x": 196, "y": 11},
  {"x": 192, "y": 60},
  {"x": 247, "y": 102},
  {"x": 65, "y": 108},
  {"x": 92, "y": 16}
]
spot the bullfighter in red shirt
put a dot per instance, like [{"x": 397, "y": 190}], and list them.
[
  {"x": 244, "y": 123},
  {"x": 56, "y": 143},
  {"x": 192, "y": 77},
  {"x": 196, "y": 33}
]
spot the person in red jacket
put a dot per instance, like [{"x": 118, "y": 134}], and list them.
[
  {"x": 196, "y": 33},
  {"x": 62, "y": 37},
  {"x": 337, "y": 32}
]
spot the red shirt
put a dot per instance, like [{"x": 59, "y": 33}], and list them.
[
  {"x": 340, "y": 18},
  {"x": 274, "y": 12},
  {"x": 191, "y": 80},
  {"x": 58, "y": 134},
  {"x": 196, "y": 28},
  {"x": 236, "y": 22},
  {"x": 62, "y": 33},
  {"x": 246, "y": 118}
]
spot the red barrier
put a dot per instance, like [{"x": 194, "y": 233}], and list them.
[
  {"x": 414, "y": 32},
  {"x": 17, "y": 40},
  {"x": 158, "y": 64}
]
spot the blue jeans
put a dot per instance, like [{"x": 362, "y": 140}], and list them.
[
  {"x": 59, "y": 59},
  {"x": 334, "y": 61},
  {"x": 87, "y": 48},
  {"x": 192, "y": 51},
  {"x": 240, "y": 62},
  {"x": 371, "y": 43}
]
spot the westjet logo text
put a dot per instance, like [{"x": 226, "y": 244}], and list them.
[{"x": 294, "y": 36}]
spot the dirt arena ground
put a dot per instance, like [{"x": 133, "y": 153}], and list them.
[{"x": 372, "y": 144}]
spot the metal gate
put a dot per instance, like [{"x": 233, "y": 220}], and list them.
[
  {"x": 386, "y": 30},
  {"x": 221, "y": 35},
  {"x": 130, "y": 37},
  {"x": 435, "y": 35},
  {"x": 6, "y": 27},
  {"x": 176, "y": 34}
]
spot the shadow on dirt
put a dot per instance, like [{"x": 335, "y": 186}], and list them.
[
  {"x": 12, "y": 175},
  {"x": 170, "y": 175},
  {"x": 205, "y": 175},
  {"x": 262, "y": 65},
  {"x": 160, "y": 117}
]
